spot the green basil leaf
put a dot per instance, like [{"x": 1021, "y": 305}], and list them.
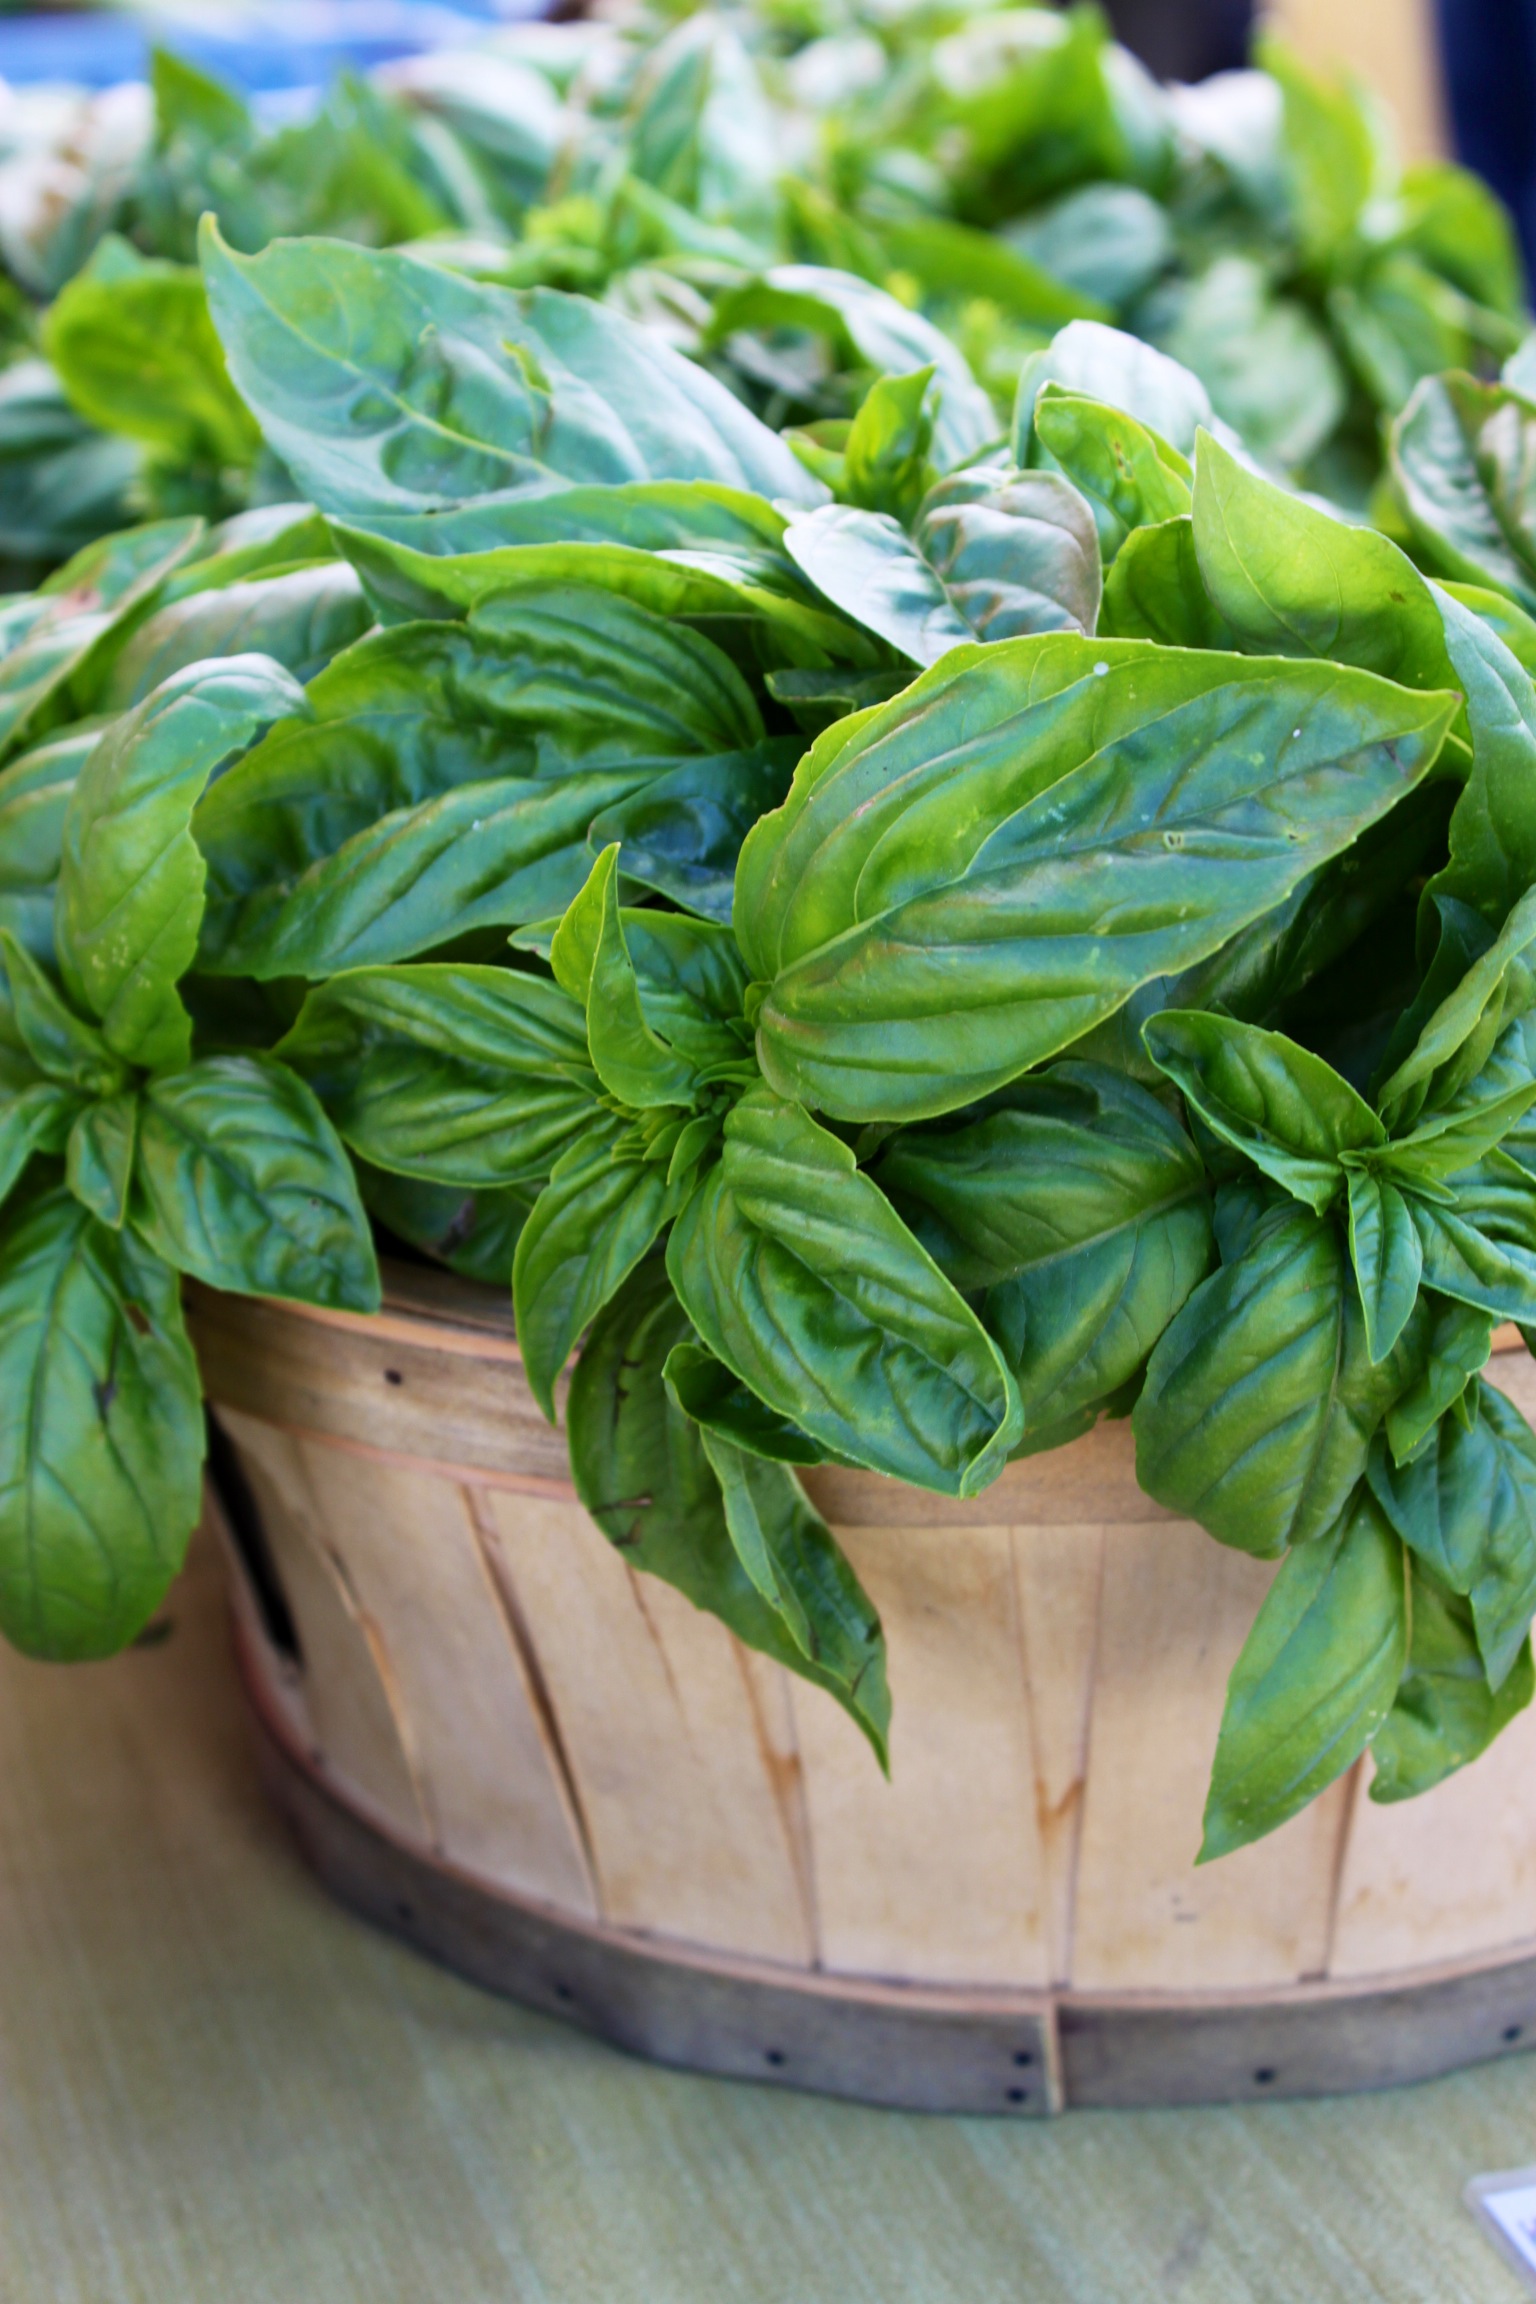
[
  {"x": 1155, "y": 591},
  {"x": 866, "y": 565},
  {"x": 1504, "y": 620},
  {"x": 1384, "y": 1249},
  {"x": 1398, "y": 321},
  {"x": 631, "y": 1061},
  {"x": 706, "y": 1390},
  {"x": 868, "y": 329},
  {"x": 138, "y": 354},
  {"x": 474, "y": 1233},
  {"x": 682, "y": 833},
  {"x": 1270, "y": 368},
  {"x": 1457, "y": 1344},
  {"x": 1317, "y": 1677},
  {"x": 101, "y": 1447},
  {"x": 1474, "y": 1264},
  {"x": 1467, "y": 1508},
  {"x": 62, "y": 1045},
  {"x": 885, "y": 461},
  {"x": 131, "y": 882},
  {"x": 1445, "y": 1713},
  {"x": 1290, "y": 580},
  {"x": 1106, "y": 364},
  {"x": 34, "y": 796},
  {"x": 241, "y": 1180},
  {"x": 1016, "y": 552},
  {"x": 1460, "y": 1040},
  {"x": 685, "y": 981},
  {"x": 793, "y": 1560},
  {"x": 34, "y": 1117},
  {"x": 1447, "y": 1143},
  {"x": 953, "y": 259},
  {"x": 386, "y": 383},
  {"x": 1080, "y": 1208},
  {"x": 966, "y": 881},
  {"x": 1279, "y": 1105},
  {"x": 1328, "y": 148},
  {"x": 466, "y": 1076},
  {"x": 301, "y": 620},
  {"x": 601, "y": 1211},
  {"x": 1460, "y": 456},
  {"x": 1260, "y": 1400},
  {"x": 1493, "y": 826},
  {"x": 641, "y": 1470},
  {"x": 1130, "y": 476},
  {"x": 99, "y": 1166},
  {"x": 799, "y": 1275},
  {"x": 1106, "y": 241},
  {"x": 47, "y": 637}
]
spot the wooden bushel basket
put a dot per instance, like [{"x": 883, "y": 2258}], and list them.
[{"x": 494, "y": 1738}]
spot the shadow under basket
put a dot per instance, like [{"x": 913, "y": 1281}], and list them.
[{"x": 493, "y": 1738}]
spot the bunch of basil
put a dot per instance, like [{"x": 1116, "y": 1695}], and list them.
[
  {"x": 800, "y": 199},
  {"x": 1125, "y": 1014}
]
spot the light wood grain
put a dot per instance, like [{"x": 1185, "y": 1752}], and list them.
[
  {"x": 490, "y": 1784},
  {"x": 1176, "y": 1610},
  {"x": 356, "y": 1720},
  {"x": 1059, "y": 1575},
  {"x": 685, "y": 1785},
  {"x": 937, "y": 1874}
]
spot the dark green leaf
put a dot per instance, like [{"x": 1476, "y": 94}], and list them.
[
  {"x": 705, "y": 1389},
  {"x": 640, "y": 1469},
  {"x": 1462, "y": 460},
  {"x": 131, "y": 883},
  {"x": 62, "y": 1046},
  {"x": 1467, "y": 1507},
  {"x": 1080, "y": 1208},
  {"x": 241, "y": 1180},
  {"x": 301, "y": 620},
  {"x": 798, "y": 1274},
  {"x": 473, "y": 1232},
  {"x": 1155, "y": 591},
  {"x": 1445, "y": 1714},
  {"x": 99, "y": 1168},
  {"x": 1384, "y": 1248},
  {"x": 1317, "y": 1676},
  {"x": 965, "y": 882},
  {"x": 35, "y": 1116},
  {"x": 682, "y": 833},
  {"x": 601, "y": 1210},
  {"x": 101, "y": 1446},
  {"x": 1260, "y": 1400},
  {"x": 1279, "y": 1105},
  {"x": 466, "y": 1076},
  {"x": 1457, "y": 1344}
]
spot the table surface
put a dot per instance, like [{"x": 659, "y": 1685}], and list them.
[{"x": 217, "y": 2088}]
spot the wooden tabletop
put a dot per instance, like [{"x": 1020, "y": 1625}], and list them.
[{"x": 217, "y": 2089}]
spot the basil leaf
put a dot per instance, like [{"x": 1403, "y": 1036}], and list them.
[
  {"x": 1467, "y": 1508},
  {"x": 472, "y": 1232},
  {"x": 1445, "y": 1713},
  {"x": 1279, "y": 1105},
  {"x": 799, "y": 1275},
  {"x": 35, "y": 1116},
  {"x": 1130, "y": 476},
  {"x": 131, "y": 882},
  {"x": 467, "y": 1076},
  {"x": 101, "y": 1447},
  {"x": 1461, "y": 1037},
  {"x": 964, "y": 882},
  {"x": 1458, "y": 1342},
  {"x": 1493, "y": 826},
  {"x": 34, "y": 795},
  {"x": 1260, "y": 1399},
  {"x": 793, "y": 1560},
  {"x": 1475, "y": 1264},
  {"x": 1289, "y": 580},
  {"x": 1328, "y": 149},
  {"x": 384, "y": 382},
  {"x": 641, "y": 1470},
  {"x": 706, "y": 1390},
  {"x": 301, "y": 620},
  {"x": 885, "y": 460},
  {"x": 48, "y": 636},
  {"x": 1388, "y": 1260},
  {"x": 632, "y": 1062},
  {"x": 1016, "y": 552},
  {"x": 1460, "y": 455},
  {"x": 1155, "y": 591},
  {"x": 1317, "y": 1677},
  {"x": 137, "y": 353},
  {"x": 681, "y": 834},
  {"x": 601, "y": 1211},
  {"x": 62, "y": 1045},
  {"x": 1270, "y": 369},
  {"x": 1080, "y": 1208},
  {"x": 241, "y": 1180},
  {"x": 1105, "y": 364},
  {"x": 99, "y": 1166},
  {"x": 866, "y": 565}
]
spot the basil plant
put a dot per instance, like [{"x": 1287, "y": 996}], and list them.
[{"x": 895, "y": 963}]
